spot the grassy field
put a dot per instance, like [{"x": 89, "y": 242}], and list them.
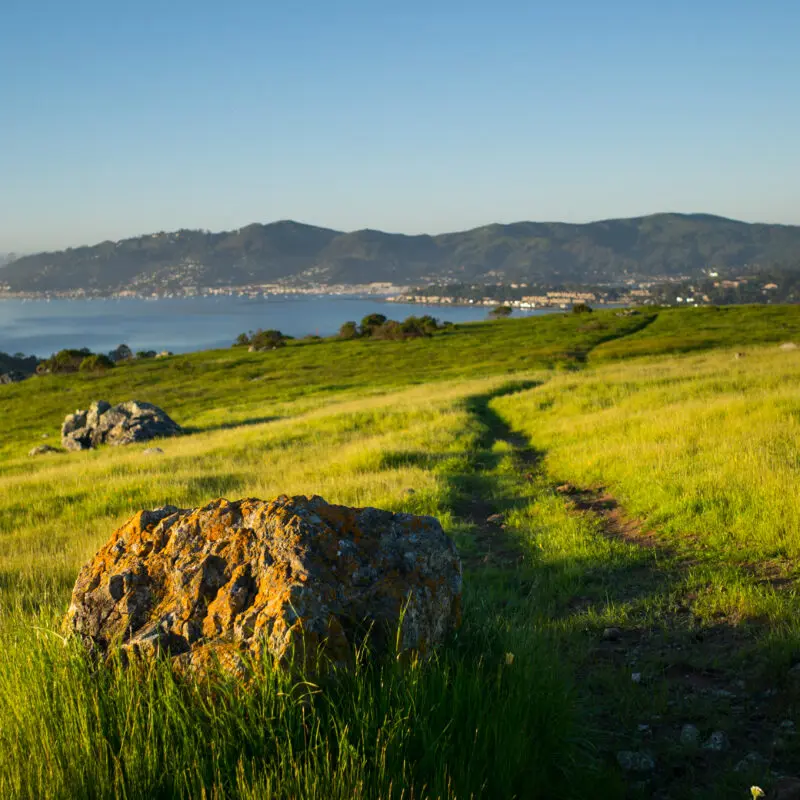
[{"x": 656, "y": 589}]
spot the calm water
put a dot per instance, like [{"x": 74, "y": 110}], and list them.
[{"x": 41, "y": 328}]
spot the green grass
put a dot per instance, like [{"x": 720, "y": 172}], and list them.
[
  {"x": 675, "y": 330},
  {"x": 702, "y": 449}
]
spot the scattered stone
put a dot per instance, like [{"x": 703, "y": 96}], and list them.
[
  {"x": 788, "y": 346},
  {"x": 42, "y": 449},
  {"x": 642, "y": 727},
  {"x": 740, "y": 684},
  {"x": 125, "y": 423},
  {"x": 566, "y": 488},
  {"x": 737, "y": 356},
  {"x": 612, "y": 634},
  {"x": 632, "y": 761},
  {"x": 12, "y": 376},
  {"x": 153, "y": 451},
  {"x": 751, "y": 762},
  {"x": 787, "y": 725},
  {"x": 786, "y": 788},
  {"x": 45, "y": 436},
  {"x": 636, "y": 677},
  {"x": 717, "y": 742},
  {"x": 496, "y": 519},
  {"x": 259, "y": 579},
  {"x": 723, "y": 694},
  {"x": 690, "y": 736}
]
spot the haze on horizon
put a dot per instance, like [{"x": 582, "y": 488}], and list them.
[{"x": 123, "y": 121}]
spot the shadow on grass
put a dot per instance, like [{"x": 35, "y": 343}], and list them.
[
  {"x": 225, "y": 426},
  {"x": 633, "y": 609}
]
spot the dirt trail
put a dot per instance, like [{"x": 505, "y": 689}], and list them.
[{"x": 692, "y": 669}]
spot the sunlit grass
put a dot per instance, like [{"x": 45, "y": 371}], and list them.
[{"x": 702, "y": 448}]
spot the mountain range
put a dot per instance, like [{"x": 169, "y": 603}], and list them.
[{"x": 660, "y": 245}]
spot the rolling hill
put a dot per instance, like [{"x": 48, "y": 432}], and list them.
[{"x": 645, "y": 247}]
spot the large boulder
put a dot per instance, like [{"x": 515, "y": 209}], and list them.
[
  {"x": 125, "y": 423},
  {"x": 294, "y": 578}
]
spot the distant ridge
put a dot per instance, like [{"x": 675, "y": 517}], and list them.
[{"x": 652, "y": 246}]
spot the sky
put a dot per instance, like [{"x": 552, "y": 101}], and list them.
[{"x": 123, "y": 118}]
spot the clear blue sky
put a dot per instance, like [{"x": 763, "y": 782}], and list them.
[{"x": 120, "y": 118}]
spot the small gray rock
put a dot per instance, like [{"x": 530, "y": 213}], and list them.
[
  {"x": 12, "y": 377},
  {"x": 788, "y": 346},
  {"x": 153, "y": 451},
  {"x": 632, "y": 761},
  {"x": 690, "y": 736},
  {"x": 42, "y": 449},
  {"x": 717, "y": 742}
]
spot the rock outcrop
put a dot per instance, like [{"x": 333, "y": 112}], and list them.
[
  {"x": 294, "y": 578},
  {"x": 125, "y": 423}
]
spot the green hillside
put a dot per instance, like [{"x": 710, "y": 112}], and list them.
[
  {"x": 645, "y": 578},
  {"x": 611, "y": 250}
]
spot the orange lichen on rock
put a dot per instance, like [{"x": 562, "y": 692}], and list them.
[{"x": 291, "y": 578}]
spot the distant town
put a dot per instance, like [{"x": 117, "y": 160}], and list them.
[{"x": 712, "y": 289}]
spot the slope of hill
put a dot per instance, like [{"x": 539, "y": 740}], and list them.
[
  {"x": 652, "y": 246},
  {"x": 649, "y": 517}
]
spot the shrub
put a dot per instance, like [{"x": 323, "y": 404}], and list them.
[
  {"x": 581, "y": 308},
  {"x": 389, "y": 330},
  {"x": 243, "y": 339},
  {"x": 349, "y": 330},
  {"x": 96, "y": 363},
  {"x": 64, "y": 361},
  {"x": 371, "y": 323},
  {"x": 410, "y": 328},
  {"x": 268, "y": 340},
  {"x": 501, "y": 312}
]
